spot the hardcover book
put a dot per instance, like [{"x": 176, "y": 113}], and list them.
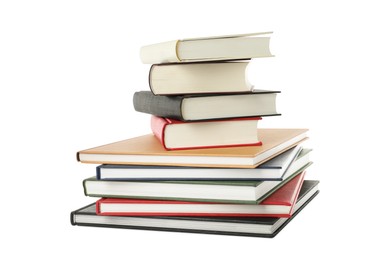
[
  {"x": 226, "y": 47},
  {"x": 258, "y": 103},
  {"x": 147, "y": 150},
  {"x": 199, "y": 78},
  {"x": 274, "y": 169},
  {"x": 178, "y": 135},
  {"x": 278, "y": 204},
  {"x": 249, "y": 192},
  {"x": 240, "y": 226}
]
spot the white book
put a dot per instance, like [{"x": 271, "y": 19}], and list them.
[
  {"x": 227, "y": 47},
  {"x": 199, "y": 78}
]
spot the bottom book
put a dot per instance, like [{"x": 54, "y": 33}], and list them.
[{"x": 240, "y": 226}]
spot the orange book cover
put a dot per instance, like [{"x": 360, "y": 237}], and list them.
[{"x": 147, "y": 150}]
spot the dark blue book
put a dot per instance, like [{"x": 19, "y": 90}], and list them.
[{"x": 272, "y": 170}]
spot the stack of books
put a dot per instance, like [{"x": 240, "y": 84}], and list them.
[{"x": 206, "y": 168}]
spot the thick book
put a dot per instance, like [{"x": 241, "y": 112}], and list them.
[
  {"x": 208, "y": 106},
  {"x": 274, "y": 169},
  {"x": 226, "y": 47},
  {"x": 240, "y": 226},
  {"x": 279, "y": 204},
  {"x": 179, "y": 135},
  {"x": 241, "y": 192},
  {"x": 199, "y": 78},
  {"x": 147, "y": 150}
]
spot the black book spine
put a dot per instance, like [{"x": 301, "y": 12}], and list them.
[
  {"x": 98, "y": 172},
  {"x": 162, "y": 106}
]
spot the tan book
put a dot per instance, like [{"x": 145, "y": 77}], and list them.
[{"x": 147, "y": 150}]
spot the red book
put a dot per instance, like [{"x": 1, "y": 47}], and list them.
[
  {"x": 278, "y": 204},
  {"x": 178, "y": 135}
]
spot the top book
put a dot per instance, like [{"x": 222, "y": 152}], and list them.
[{"x": 227, "y": 47}]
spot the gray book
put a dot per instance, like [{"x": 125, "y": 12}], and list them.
[{"x": 207, "y": 107}]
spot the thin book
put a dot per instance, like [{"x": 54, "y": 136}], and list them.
[{"x": 274, "y": 169}]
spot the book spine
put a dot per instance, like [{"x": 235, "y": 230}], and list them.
[
  {"x": 165, "y": 52},
  {"x": 150, "y": 80},
  {"x": 98, "y": 172},
  {"x": 161, "y": 106},
  {"x": 72, "y": 218},
  {"x": 85, "y": 187},
  {"x": 98, "y": 204},
  {"x": 158, "y": 125}
]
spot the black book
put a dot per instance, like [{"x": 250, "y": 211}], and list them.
[
  {"x": 208, "y": 106},
  {"x": 255, "y": 227}
]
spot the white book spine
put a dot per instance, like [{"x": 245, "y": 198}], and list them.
[{"x": 164, "y": 52}]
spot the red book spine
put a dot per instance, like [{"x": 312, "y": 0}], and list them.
[
  {"x": 158, "y": 125},
  {"x": 98, "y": 211}
]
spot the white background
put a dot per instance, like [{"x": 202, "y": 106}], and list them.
[{"x": 68, "y": 70}]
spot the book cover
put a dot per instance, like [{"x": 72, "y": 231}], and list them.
[
  {"x": 240, "y": 226},
  {"x": 147, "y": 150},
  {"x": 278, "y": 204}
]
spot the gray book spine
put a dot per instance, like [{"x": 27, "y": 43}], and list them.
[{"x": 162, "y": 106}]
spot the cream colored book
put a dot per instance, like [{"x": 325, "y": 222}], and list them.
[
  {"x": 147, "y": 150},
  {"x": 226, "y": 47},
  {"x": 199, "y": 78}
]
